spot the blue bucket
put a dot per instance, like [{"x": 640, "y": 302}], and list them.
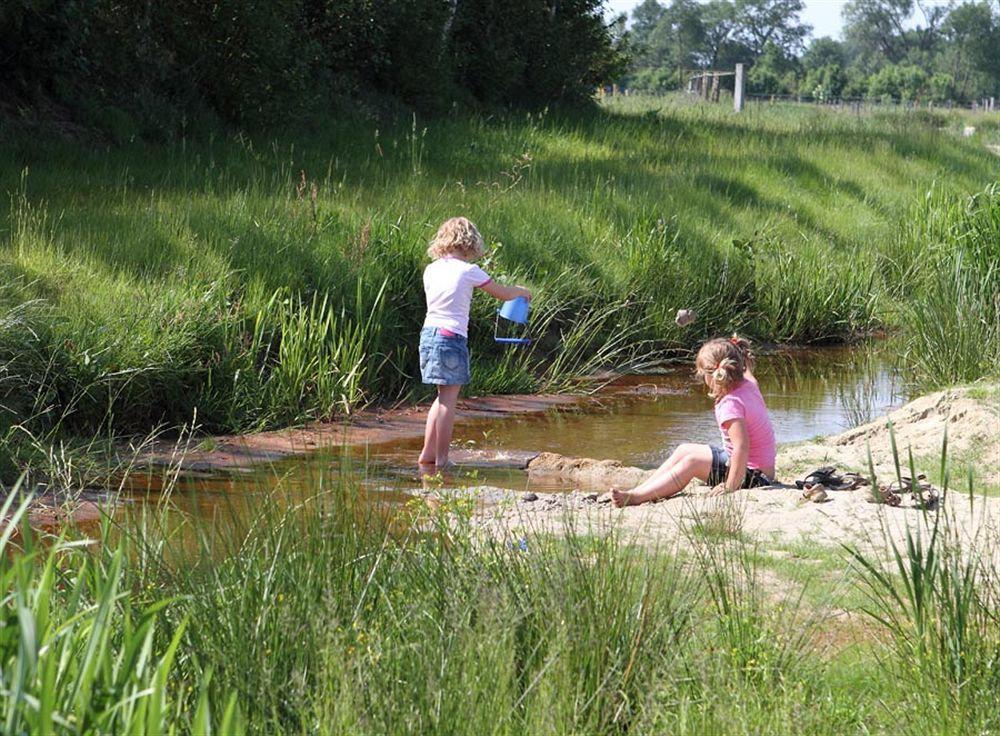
[{"x": 516, "y": 310}]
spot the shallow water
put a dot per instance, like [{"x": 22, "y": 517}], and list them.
[{"x": 637, "y": 420}]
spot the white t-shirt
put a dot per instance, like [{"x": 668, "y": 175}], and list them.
[{"x": 448, "y": 285}]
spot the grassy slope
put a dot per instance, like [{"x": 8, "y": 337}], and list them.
[{"x": 169, "y": 278}]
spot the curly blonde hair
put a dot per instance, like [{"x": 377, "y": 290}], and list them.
[
  {"x": 457, "y": 237},
  {"x": 725, "y": 359}
]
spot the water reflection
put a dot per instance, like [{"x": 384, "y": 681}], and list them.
[{"x": 808, "y": 393}]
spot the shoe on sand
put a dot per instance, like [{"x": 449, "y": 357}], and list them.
[
  {"x": 815, "y": 493},
  {"x": 832, "y": 480},
  {"x": 884, "y": 495},
  {"x": 909, "y": 485}
]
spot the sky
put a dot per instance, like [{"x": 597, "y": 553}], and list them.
[{"x": 822, "y": 15}]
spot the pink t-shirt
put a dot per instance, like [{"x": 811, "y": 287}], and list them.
[
  {"x": 448, "y": 285},
  {"x": 745, "y": 402}
]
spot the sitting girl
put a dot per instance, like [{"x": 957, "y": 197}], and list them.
[
  {"x": 444, "y": 351},
  {"x": 748, "y": 458}
]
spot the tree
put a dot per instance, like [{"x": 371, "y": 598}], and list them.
[
  {"x": 898, "y": 81},
  {"x": 718, "y": 20},
  {"x": 972, "y": 59},
  {"x": 884, "y": 28},
  {"x": 823, "y": 52},
  {"x": 777, "y": 22},
  {"x": 773, "y": 72},
  {"x": 824, "y": 83},
  {"x": 681, "y": 33},
  {"x": 645, "y": 17}
]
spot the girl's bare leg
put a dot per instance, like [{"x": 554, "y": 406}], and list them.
[
  {"x": 687, "y": 462},
  {"x": 676, "y": 456},
  {"x": 444, "y": 422},
  {"x": 428, "y": 455}
]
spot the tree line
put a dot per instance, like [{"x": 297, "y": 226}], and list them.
[
  {"x": 891, "y": 49},
  {"x": 153, "y": 67}
]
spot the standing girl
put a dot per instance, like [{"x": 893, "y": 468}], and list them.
[
  {"x": 747, "y": 457},
  {"x": 449, "y": 282}
]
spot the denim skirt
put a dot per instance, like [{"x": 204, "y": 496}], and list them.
[
  {"x": 720, "y": 471},
  {"x": 444, "y": 360}
]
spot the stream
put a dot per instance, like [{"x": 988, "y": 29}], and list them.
[{"x": 634, "y": 419}]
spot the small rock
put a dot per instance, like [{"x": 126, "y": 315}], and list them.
[{"x": 529, "y": 497}]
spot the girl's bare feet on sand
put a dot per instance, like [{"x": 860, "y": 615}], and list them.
[{"x": 621, "y": 498}]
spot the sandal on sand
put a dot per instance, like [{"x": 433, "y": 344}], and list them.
[
  {"x": 850, "y": 481},
  {"x": 820, "y": 476},
  {"x": 907, "y": 485},
  {"x": 883, "y": 494},
  {"x": 815, "y": 492},
  {"x": 828, "y": 476}
]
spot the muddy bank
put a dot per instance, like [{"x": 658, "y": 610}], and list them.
[
  {"x": 49, "y": 513},
  {"x": 779, "y": 512},
  {"x": 375, "y": 427}
]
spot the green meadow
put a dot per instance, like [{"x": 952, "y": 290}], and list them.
[{"x": 242, "y": 282}]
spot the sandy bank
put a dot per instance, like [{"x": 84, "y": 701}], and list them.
[{"x": 779, "y": 512}]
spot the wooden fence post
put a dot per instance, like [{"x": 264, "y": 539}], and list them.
[{"x": 738, "y": 89}]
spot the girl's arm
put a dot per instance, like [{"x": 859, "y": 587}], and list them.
[
  {"x": 738, "y": 462},
  {"x": 505, "y": 293}
]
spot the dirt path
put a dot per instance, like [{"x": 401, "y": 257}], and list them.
[{"x": 779, "y": 513}]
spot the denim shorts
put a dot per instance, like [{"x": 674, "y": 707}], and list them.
[
  {"x": 720, "y": 471},
  {"x": 444, "y": 361}
]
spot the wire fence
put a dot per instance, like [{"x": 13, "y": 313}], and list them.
[
  {"x": 847, "y": 104},
  {"x": 859, "y": 104}
]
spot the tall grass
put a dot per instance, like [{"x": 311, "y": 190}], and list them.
[
  {"x": 324, "y": 611},
  {"x": 81, "y": 652},
  {"x": 951, "y": 317},
  {"x": 937, "y": 599},
  {"x": 259, "y": 282}
]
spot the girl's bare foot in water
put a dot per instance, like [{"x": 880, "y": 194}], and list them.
[{"x": 621, "y": 498}]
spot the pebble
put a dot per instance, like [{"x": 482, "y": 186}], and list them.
[{"x": 529, "y": 497}]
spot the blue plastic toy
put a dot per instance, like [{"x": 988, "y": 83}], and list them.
[{"x": 515, "y": 311}]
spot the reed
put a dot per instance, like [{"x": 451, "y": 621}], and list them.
[
  {"x": 318, "y": 607},
  {"x": 84, "y": 652}
]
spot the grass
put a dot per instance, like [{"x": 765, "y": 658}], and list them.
[
  {"x": 248, "y": 282},
  {"x": 318, "y": 611},
  {"x": 82, "y": 651},
  {"x": 952, "y": 320}
]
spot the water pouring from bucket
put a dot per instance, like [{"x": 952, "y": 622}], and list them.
[{"x": 513, "y": 329}]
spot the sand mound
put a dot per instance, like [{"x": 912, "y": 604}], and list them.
[
  {"x": 582, "y": 471},
  {"x": 973, "y": 427}
]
